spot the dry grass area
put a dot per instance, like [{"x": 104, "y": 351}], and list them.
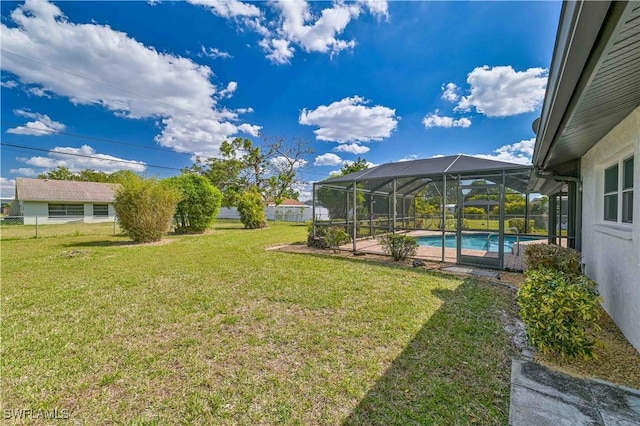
[{"x": 617, "y": 362}]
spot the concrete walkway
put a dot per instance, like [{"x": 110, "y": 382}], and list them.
[{"x": 540, "y": 396}]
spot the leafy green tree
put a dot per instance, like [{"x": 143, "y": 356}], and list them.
[
  {"x": 356, "y": 166},
  {"x": 199, "y": 204},
  {"x": 90, "y": 175},
  {"x": 269, "y": 169},
  {"x": 59, "y": 173},
  {"x": 123, "y": 176},
  {"x": 145, "y": 209},
  {"x": 251, "y": 209}
]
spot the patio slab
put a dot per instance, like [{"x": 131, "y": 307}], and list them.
[{"x": 541, "y": 396}]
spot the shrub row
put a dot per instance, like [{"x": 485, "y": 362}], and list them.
[{"x": 559, "y": 306}]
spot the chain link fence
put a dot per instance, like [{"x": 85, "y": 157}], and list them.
[{"x": 13, "y": 227}]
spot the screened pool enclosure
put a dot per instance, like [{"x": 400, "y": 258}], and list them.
[{"x": 462, "y": 209}]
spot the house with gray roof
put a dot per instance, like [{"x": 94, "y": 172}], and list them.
[
  {"x": 587, "y": 147},
  {"x": 61, "y": 201}
]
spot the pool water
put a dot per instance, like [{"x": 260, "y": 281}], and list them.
[{"x": 474, "y": 241}]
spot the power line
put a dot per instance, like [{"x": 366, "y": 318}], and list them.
[
  {"x": 130, "y": 162},
  {"x": 91, "y": 138}
]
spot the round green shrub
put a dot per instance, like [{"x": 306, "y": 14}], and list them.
[
  {"x": 199, "y": 204},
  {"x": 251, "y": 209},
  {"x": 560, "y": 311},
  {"x": 145, "y": 209},
  {"x": 399, "y": 246}
]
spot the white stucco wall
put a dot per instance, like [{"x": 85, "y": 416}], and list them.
[{"x": 611, "y": 251}]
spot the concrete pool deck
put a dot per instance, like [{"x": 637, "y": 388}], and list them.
[{"x": 512, "y": 261}]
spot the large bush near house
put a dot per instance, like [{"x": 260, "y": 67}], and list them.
[
  {"x": 399, "y": 246},
  {"x": 552, "y": 256},
  {"x": 251, "y": 209},
  {"x": 199, "y": 204},
  {"x": 145, "y": 209},
  {"x": 560, "y": 311}
]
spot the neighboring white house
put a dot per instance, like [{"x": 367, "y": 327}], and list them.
[
  {"x": 62, "y": 201},
  {"x": 588, "y": 146}
]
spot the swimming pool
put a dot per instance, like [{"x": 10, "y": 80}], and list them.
[{"x": 478, "y": 241}]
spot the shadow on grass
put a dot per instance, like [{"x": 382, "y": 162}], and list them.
[
  {"x": 102, "y": 243},
  {"x": 362, "y": 259},
  {"x": 455, "y": 370}
]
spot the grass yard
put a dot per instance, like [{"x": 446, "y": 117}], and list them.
[{"x": 213, "y": 329}]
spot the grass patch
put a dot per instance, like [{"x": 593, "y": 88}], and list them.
[{"x": 213, "y": 329}]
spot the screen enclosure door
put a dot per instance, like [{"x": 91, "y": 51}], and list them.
[{"x": 480, "y": 226}]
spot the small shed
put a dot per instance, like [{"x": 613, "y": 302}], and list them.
[{"x": 62, "y": 201}]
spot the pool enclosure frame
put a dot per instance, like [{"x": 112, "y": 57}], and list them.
[{"x": 362, "y": 198}]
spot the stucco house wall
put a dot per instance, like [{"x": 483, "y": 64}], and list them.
[
  {"x": 40, "y": 209},
  {"x": 611, "y": 251}
]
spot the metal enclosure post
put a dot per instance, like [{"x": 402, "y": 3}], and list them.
[
  {"x": 553, "y": 219},
  {"x": 313, "y": 209},
  {"x": 526, "y": 213},
  {"x": 36, "y": 226},
  {"x": 371, "y": 202},
  {"x": 501, "y": 224},
  {"x": 355, "y": 216},
  {"x": 346, "y": 212},
  {"x": 415, "y": 212},
  {"x": 444, "y": 214},
  {"x": 395, "y": 213}
]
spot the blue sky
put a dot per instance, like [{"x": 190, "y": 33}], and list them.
[{"x": 147, "y": 86}]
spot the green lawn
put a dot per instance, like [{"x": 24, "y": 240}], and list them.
[{"x": 214, "y": 329}]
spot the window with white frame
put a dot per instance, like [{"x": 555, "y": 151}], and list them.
[
  {"x": 66, "y": 210},
  {"x": 618, "y": 192},
  {"x": 627, "y": 190}
]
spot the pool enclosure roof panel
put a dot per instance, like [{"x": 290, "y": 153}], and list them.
[{"x": 411, "y": 176}]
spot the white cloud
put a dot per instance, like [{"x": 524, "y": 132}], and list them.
[
  {"x": 376, "y": 7},
  {"x": 328, "y": 159},
  {"x": 320, "y": 34},
  {"x": 7, "y": 187},
  {"x": 519, "y": 152},
  {"x": 279, "y": 50},
  {"x": 296, "y": 24},
  {"x": 228, "y": 91},
  {"x": 214, "y": 53},
  {"x": 350, "y": 120},
  {"x": 180, "y": 94},
  {"x": 434, "y": 120},
  {"x": 85, "y": 157},
  {"x": 502, "y": 91},
  {"x": 42, "y": 126},
  {"x": 449, "y": 92},
  {"x": 352, "y": 148},
  {"x": 9, "y": 84},
  {"x": 409, "y": 158},
  {"x": 228, "y": 8},
  {"x": 25, "y": 171}
]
